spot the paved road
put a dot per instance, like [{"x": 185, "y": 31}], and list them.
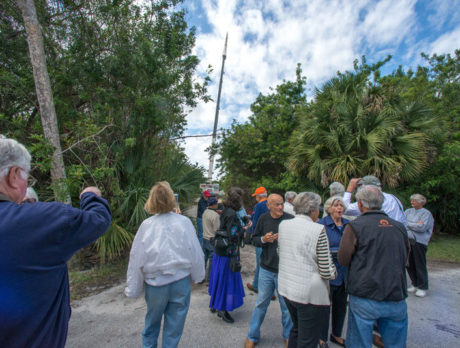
[{"x": 109, "y": 319}]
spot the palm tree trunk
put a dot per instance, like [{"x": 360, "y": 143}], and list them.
[{"x": 45, "y": 97}]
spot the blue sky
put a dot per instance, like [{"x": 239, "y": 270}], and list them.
[{"x": 267, "y": 38}]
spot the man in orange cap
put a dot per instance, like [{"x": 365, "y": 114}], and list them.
[{"x": 261, "y": 207}]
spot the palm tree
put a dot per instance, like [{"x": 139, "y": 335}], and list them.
[{"x": 355, "y": 128}]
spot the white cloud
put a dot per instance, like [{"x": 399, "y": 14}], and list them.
[
  {"x": 267, "y": 38},
  {"x": 447, "y": 43}
]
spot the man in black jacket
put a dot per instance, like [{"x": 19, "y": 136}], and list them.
[
  {"x": 375, "y": 247},
  {"x": 266, "y": 236},
  {"x": 202, "y": 205}
]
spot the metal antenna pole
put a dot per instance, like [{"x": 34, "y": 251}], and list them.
[{"x": 211, "y": 157}]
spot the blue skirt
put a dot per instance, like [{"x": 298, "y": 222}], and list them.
[{"x": 225, "y": 287}]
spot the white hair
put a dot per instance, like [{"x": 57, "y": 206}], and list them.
[
  {"x": 336, "y": 188},
  {"x": 13, "y": 154},
  {"x": 30, "y": 193},
  {"x": 419, "y": 198},
  {"x": 289, "y": 195},
  {"x": 371, "y": 197},
  {"x": 306, "y": 203}
]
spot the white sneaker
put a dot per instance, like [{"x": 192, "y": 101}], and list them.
[
  {"x": 420, "y": 293},
  {"x": 411, "y": 289}
]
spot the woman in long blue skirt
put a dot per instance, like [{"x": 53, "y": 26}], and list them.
[{"x": 225, "y": 286}]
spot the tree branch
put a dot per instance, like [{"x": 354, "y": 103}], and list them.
[{"x": 91, "y": 136}]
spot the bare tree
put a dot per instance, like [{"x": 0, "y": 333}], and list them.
[{"x": 45, "y": 96}]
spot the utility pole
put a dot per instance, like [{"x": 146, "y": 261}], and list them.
[{"x": 211, "y": 157}]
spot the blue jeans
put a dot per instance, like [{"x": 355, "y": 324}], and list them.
[
  {"x": 208, "y": 250},
  {"x": 268, "y": 282},
  {"x": 255, "y": 281},
  {"x": 171, "y": 302},
  {"x": 391, "y": 319},
  {"x": 199, "y": 223}
]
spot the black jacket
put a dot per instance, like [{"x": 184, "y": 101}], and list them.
[{"x": 269, "y": 258}]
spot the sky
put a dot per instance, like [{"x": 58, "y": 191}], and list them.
[{"x": 267, "y": 38}]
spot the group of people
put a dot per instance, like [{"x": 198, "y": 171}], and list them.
[{"x": 352, "y": 258}]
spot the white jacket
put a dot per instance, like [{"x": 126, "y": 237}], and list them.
[{"x": 165, "y": 249}]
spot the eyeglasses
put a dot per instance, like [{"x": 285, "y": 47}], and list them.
[{"x": 31, "y": 181}]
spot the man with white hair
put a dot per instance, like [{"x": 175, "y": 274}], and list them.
[
  {"x": 289, "y": 197},
  {"x": 36, "y": 242},
  {"x": 375, "y": 248}
]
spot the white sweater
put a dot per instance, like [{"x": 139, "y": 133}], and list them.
[
  {"x": 298, "y": 278},
  {"x": 164, "y": 250}
]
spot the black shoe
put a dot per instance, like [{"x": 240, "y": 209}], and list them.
[
  {"x": 250, "y": 287},
  {"x": 212, "y": 310},
  {"x": 334, "y": 340},
  {"x": 225, "y": 316},
  {"x": 273, "y": 298}
]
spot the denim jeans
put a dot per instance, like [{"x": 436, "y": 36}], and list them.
[
  {"x": 199, "y": 224},
  {"x": 171, "y": 302},
  {"x": 268, "y": 282},
  {"x": 208, "y": 250},
  {"x": 391, "y": 319},
  {"x": 255, "y": 281}
]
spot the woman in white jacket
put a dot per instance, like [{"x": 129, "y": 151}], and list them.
[{"x": 164, "y": 255}]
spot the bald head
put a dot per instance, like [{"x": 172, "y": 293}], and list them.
[{"x": 275, "y": 205}]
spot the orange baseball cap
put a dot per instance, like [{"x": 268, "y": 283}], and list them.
[{"x": 259, "y": 191}]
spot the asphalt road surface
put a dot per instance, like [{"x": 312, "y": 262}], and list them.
[{"x": 109, "y": 319}]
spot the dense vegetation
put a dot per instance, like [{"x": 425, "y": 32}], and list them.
[
  {"x": 123, "y": 80},
  {"x": 403, "y": 127}
]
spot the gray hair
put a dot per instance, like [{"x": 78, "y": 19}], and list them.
[
  {"x": 369, "y": 180},
  {"x": 265, "y": 194},
  {"x": 419, "y": 198},
  {"x": 13, "y": 154},
  {"x": 371, "y": 197},
  {"x": 330, "y": 202},
  {"x": 336, "y": 189},
  {"x": 30, "y": 193},
  {"x": 306, "y": 203},
  {"x": 289, "y": 195}
]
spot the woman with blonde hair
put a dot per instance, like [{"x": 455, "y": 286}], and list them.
[{"x": 165, "y": 254}]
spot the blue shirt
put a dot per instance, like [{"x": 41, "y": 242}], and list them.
[
  {"x": 258, "y": 210},
  {"x": 334, "y": 235},
  {"x": 36, "y": 242}
]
